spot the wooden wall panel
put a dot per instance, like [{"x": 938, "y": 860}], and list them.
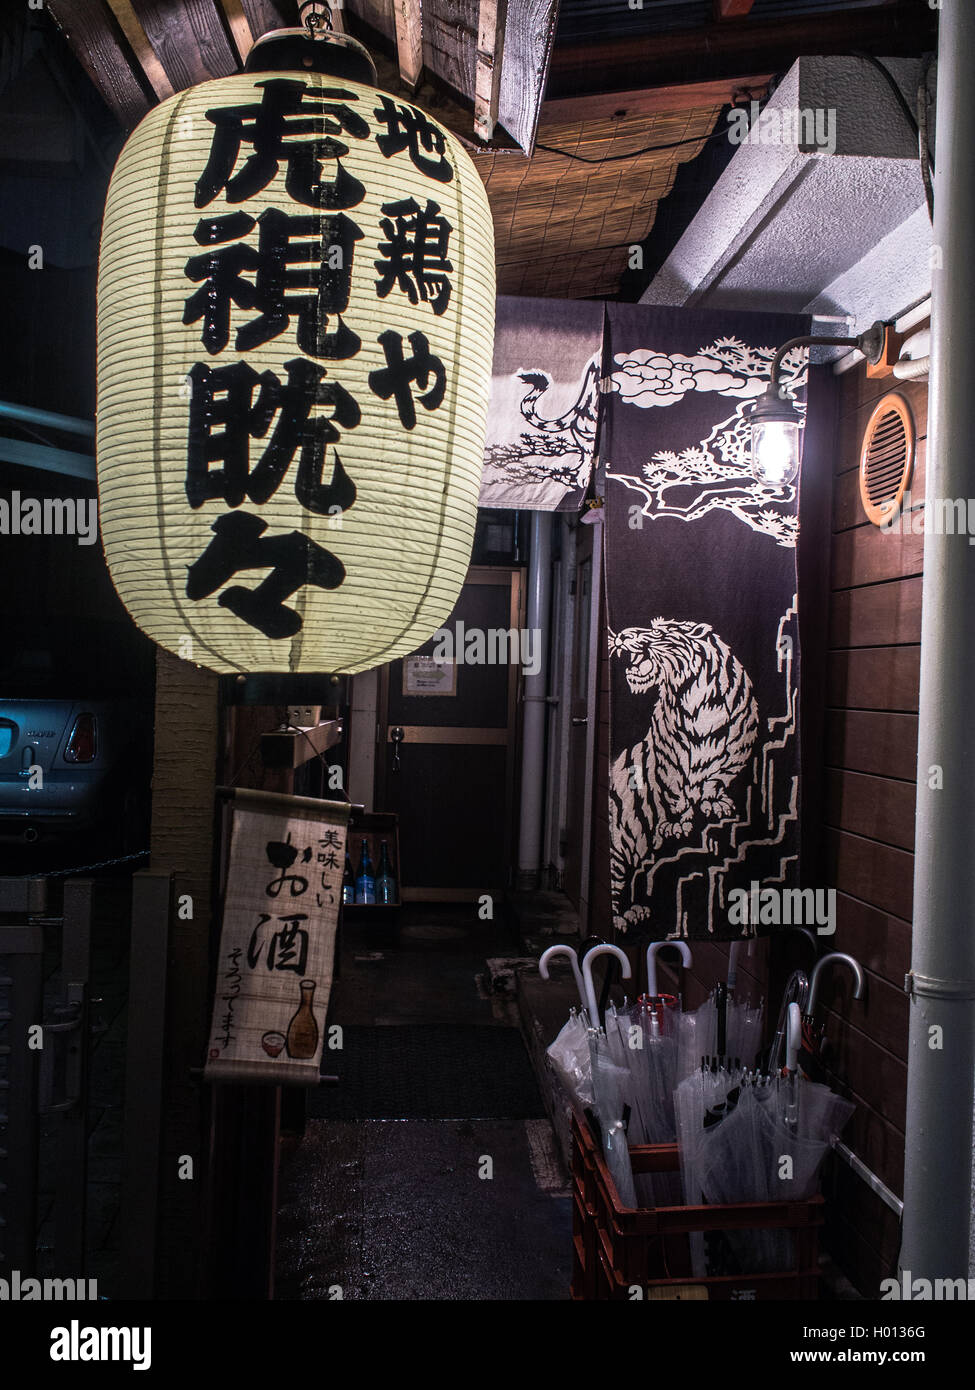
[
  {"x": 877, "y": 678},
  {"x": 878, "y": 615},
  {"x": 870, "y": 751},
  {"x": 872, "y": 741},
  {"x": 877, "y": 807}
]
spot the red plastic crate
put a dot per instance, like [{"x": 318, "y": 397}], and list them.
[{"x": 617, "y": 1249}]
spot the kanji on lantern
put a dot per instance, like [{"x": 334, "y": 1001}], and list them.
[
  {"x": 414, "y": 256},
  {"x": 323, "y": 246},
  {"x": 294, "y": 560},
  {"x": 408, "y": 129},
  {"x": 288, "y": 109},
  {"x": 224, "y": 396},
  {"x": 394, "y": 379}
]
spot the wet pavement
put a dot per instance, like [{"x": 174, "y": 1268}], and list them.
[{"x": 454, "y": 1206}]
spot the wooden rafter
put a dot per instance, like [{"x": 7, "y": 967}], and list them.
[
  {"x": 131, "y": 27},
  {"x": 409, "y": 41},
  {"x": 492, "y": 17},
  {"x": 652, "y": 101},
  {"x": 239, "y": 26},
  {"x": 726, "y": 49},
  {"x": 732, "y": 9}
]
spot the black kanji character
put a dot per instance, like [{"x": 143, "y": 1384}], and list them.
[
  {"x": 415, "y": 256},
  {"x": 295, "y": 425},
  {"x": 270, "y": 127},
  {"x": 287, "y": 948},
  {"x": 313, "y": 293},
  {"x": 281, "y": 853},
  {"x": 394, "y": 379},
  {"x": 224, "y": 418},
  {"x": 222, "y": 271},
  {"x": 408, "y": 129},
  {"x": 225, "y": 396},
  {"x": 255, "y": 946},
  {"x": 294, "y": 560}
]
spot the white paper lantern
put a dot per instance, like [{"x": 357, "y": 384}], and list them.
[{"x": 295, "y": 326}]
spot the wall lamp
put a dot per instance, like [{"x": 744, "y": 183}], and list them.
[{"x": 774, "y": 417}]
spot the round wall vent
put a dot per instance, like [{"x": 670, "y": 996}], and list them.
[{"x": 886, "y": 458}]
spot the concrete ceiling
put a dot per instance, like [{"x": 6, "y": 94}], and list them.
[{"x": 834, "y": 228}]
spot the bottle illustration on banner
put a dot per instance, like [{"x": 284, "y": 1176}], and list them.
[
  {"x": 385, "y": 879},
  {"x": 303, "y": 1030},
  {"x": 348, "y": 881},
  {"x": 365, "y": 879}
]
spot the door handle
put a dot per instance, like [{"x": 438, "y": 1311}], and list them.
[
  {"x": 396, "y": 735},
  {"x": 583, "y": 720}
]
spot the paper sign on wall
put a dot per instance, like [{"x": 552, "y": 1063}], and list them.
[{"x": 274, "y": 971}]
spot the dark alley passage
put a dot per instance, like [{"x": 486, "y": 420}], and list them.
[{"x": 430, "y": 1170}]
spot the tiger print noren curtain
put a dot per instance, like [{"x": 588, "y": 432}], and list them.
[
  {"x": 541, "y": 427},
  {"x": 703, "y": 622}
]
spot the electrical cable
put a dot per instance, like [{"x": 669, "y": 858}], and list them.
[
  {"x": 927, "y": 164},
  {"x": 633, "y": 154},
  {"x": 891, "y": 81}
]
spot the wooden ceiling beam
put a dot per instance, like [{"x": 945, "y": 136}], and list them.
[
  {"x": 737, "y": 45},
  {"x": 732, "y": 9},
  {"x": 409, "y": 42},
  {"x": 491, "y": 20},
  {"x": 655, "y": 101},
  {"x": 131, "y": 26},
  {"x": 91, "y": 37},
  {"x": 239, "y": 26}
]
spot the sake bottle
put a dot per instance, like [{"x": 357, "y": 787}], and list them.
[
  {"x": 348, "y": 881},
  {"x": 385, "y": 880},
  {"x": 365, "y": 879},
  {"x": 302, "y": 1039}
]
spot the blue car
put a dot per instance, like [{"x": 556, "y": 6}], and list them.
[{"x": 73, "y": 774}]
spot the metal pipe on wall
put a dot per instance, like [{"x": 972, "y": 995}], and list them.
[
  {"x": 941, "y": 1053},
  {"x": 536, "y": 706}
]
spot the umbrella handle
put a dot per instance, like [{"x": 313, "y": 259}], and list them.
[
  {"x": 562, "y": 949},
  {"x": 839, "y": 957},
  {"x": 590, "y": 956},
  {"x": 793, "y": 1038},
  {"x": 652, "y": 949}
]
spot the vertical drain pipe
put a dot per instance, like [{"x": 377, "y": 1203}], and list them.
[
  {"x": 536, "y": 706},
  {"x": 941, "y": 1056}
]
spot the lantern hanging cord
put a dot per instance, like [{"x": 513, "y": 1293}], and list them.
[{"x": 316, "y": 16}]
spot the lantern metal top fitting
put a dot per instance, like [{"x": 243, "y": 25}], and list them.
[
  {"x": 315, "y": 47},
  {"x": 774, "y": 418}
]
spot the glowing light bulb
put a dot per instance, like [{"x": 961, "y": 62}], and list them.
[{"x": 775, "y": 451}]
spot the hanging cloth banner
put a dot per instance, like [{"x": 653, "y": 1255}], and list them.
[
  {"x": 274, "y": 971},
  {"x": 703, "y": 624},
  {"x": 541, "y": 429}
]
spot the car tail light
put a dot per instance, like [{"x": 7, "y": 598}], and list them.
[{"x": 81, "y": 744}]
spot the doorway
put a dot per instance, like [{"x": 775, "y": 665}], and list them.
[{"x": 447, "y": 749}]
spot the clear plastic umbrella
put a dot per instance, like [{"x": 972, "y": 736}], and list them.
[
  {"x": 753, "y": 1138},
  {"x": 610, "y": 1074},
  {"x": 569, "y": 1053},
  {"x": 724, "y": 1028}
]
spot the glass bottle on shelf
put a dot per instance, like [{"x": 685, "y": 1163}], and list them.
[
  {"x": 348, "y": 880},
  {"x": 365, "y": 879},
  {"x": 385, "y": 879}
]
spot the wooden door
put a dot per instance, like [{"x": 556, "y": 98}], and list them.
[
  {"x": 582, "y": 737},
  {"x": 452, "y": 783}
]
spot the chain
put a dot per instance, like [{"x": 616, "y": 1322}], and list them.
[
  {"x": 310, "y": 14},
  {"x": 86, "y": 868}
]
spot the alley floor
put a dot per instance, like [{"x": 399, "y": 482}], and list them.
[{"x": 429, "y": 1171}]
